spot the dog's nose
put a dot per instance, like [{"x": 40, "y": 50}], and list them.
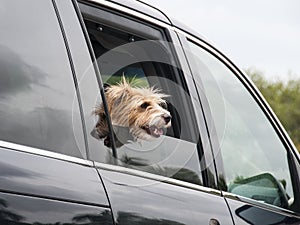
[{"x": 167, "y": 118}]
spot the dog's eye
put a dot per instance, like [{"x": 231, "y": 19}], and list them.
[
  {"x": 145, "y": 105},
  {"x": 163, "y": 105}
]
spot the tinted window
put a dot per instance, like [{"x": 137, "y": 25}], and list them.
[
  {"x": 255, "y": 160},
  {"x": 149, "y": 64},
  {"x": 37, "y": 95}
]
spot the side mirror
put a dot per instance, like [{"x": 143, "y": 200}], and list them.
[{"x": 263, "y": 187}]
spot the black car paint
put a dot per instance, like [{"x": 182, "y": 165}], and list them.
[
  {"x": 160, "y": 202},
  {"x": 41, "y": 190},
  {"x": 28, "y": 174},
  {"x": 18, "y": 209}
]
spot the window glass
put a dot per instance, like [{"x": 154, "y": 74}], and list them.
[
  {"x": 166, "y": 145},
  {"x": 255, "y": 160},
  {"x": 38, "y": 104}
]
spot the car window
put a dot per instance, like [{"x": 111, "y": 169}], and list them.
[
  {"x": 164, "y": 143},
  {"x": 255, "y": 160},
  {"x": 38, "y": 103}
]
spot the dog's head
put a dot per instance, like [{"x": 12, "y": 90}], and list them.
[{"x": 142, "y": 110}]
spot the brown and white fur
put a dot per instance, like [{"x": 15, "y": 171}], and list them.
[{"x": 142, "y": 110}]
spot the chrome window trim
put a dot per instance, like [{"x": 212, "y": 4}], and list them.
[
  {"x": 155, "y": 177},
  {"x": 46, "y": 153}
]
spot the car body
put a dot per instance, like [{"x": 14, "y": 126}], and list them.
[{"x": 225, "y": 160}]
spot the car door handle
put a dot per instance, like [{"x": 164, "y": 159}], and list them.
[{"x": 214, "y": 222}]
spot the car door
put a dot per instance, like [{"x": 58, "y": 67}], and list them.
[
  {"x": 44, "y": 172},
  {"x": 164, "y": 181},
  {"x": 258, "y": 168}
]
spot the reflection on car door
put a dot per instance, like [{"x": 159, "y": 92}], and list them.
[
  {"x": 159, "y": 200},
  {"x": 60, "y": 191}
]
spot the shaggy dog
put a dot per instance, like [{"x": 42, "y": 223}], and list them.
[{"x": 141, "y": 111}]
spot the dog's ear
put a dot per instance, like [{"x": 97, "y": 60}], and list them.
[{"x": 106, "y": 86}]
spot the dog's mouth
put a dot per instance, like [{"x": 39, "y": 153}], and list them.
[{"x": 153, "y": 130}]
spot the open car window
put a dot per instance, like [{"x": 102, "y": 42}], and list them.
[{"x": 157, "y": 133}]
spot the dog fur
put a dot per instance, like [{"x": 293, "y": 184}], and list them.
[{"x": 142, "y": 110}]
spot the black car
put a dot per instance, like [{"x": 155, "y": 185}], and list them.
[{"x": 226, "y": 159}]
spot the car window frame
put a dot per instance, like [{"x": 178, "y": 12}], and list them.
[
  {"x": 292, "y": 153},
  {"x": 205, "y": 148},
  {"x": 170, "y": 36}
]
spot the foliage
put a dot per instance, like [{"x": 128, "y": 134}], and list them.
[{"x": 284, "y": 98}]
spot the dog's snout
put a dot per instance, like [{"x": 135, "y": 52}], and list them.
[{"x": 167, "y": 118}]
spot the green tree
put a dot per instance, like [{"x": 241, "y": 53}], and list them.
[{"x": 284, "y": 98}]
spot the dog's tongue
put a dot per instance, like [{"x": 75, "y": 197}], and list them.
[
  {"x": 158, "y": 131},
  {"x": 154, "y": 130}
]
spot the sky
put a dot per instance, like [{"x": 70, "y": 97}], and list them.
[{"x": 260, "y": 34}]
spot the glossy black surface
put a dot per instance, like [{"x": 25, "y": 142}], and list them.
[
  {"x": 29, "y": 174},
  {"x": 23, "y": 210},
  {"x": 151, "y": 202}
]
